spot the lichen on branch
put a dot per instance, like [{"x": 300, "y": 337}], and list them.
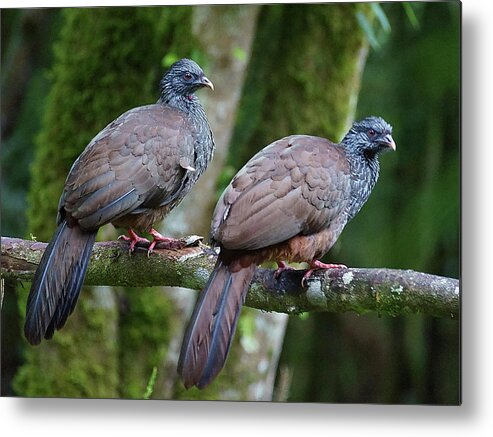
[{"x": 385, "y": 291}]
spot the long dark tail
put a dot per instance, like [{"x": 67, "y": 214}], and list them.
[
  {"x": 57, "y": 282},
  {"x": 212, "y": 325}
]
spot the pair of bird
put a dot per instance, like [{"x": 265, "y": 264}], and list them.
[{"x": 290, "y": 202}]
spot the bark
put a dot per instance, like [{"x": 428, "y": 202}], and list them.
[
  {"x": 303, "y": 77},
  {"x": 223, "y": 36},
  {"x": 386, "y": 291},
  {"x": 96, "y": 51}
]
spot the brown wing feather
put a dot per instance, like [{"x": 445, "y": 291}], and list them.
[
  {"x": 133, "y": 163},
  {"x": 297, "y": 185}
]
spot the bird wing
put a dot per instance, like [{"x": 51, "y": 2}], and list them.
[
  {"x": 296, "y": 185},
  {"x": 132, "y": 164}
]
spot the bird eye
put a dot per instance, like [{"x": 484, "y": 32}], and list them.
[
  {"x": 187, "y": 76},
  {"x": 371, "y": 133}
]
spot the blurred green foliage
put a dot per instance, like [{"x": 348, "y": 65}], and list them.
[
  {"x": 24, "y": 86},
  {"x": 411, "y": 221},
  {"x": 292, "y": 84},
  {"x": 95, "y": 78},
  {"x": 99, "y": 71}
]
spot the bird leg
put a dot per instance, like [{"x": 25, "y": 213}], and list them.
[
  {"x": 167, "y": 242},
  {"x": 133, "y": 239},
  {"x": 281, "y": 266},
  {"x": 315, "y": 264}
]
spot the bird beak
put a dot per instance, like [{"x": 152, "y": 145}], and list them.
[
  {"x": 206, "y": 82},
  {"x": 388, "y": 142}
]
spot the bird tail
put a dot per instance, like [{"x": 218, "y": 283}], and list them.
[
  {"x": 213, "y": 323},
  {"x": 57, "y": 281}
]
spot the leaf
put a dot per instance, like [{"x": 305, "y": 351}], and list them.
[
  {"x": 169, "y": 59},
  {"x": 381, "y": 17},
  {"x": 411, "y": 15},
  {"x": 368, "y": 30},
  {"x": 151, "y": 383},
  {"x": 304, "y": 316}
]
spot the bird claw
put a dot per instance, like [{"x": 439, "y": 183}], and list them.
[
  {"x": 282, "y": 266},
  {"x": 164, "y": 242},
  {"x": 133, "y": 239},
  {"x": 319, "y": 265}
]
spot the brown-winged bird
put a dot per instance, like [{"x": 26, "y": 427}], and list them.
[
  {"x": 290, "y": 202},
  {"x": 131, "y": 174}
]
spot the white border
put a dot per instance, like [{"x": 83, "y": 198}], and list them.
[{"x": 130, "y": 418}]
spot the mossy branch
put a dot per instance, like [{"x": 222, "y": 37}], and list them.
[{"x": 386, "y": 291}]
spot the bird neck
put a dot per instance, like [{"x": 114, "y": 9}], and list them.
[
  {"x": 192, "y": 108},
  {"x": 364, "y": 171},
  {"x": 183, "y": 102},
  {"x": 189, "y": 104},
  {"x": 204, "y": 149}
]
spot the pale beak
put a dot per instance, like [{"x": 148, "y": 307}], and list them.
[
  {"x": 206, "y": 82},
  {"x": 388, "y": 141}
]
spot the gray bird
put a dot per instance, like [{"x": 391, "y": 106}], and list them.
[
  {"x": 135, "y": 171},
  {"x": 290, "y": 202}
]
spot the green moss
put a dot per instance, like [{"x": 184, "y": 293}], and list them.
[
  {"x": 106, "y": 61},
  {"x": 77, "y": 362},
  {"x": 303, "y": 78},
  {"x": 145, "y": 332},
  {"x": 182, "y": 42},
  {"x": 293, "y": 86}
]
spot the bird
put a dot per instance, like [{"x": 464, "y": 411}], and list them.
[
  {"x": 290, "y": 202},
  {"x": 131, "y": 174}
]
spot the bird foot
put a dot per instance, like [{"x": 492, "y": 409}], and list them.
[
  {"x": 164, "y": 242},
  {"x": 133, "y": 239},
  {"x": 281, "y": 267},
  {"x": 317, "y": 265}
]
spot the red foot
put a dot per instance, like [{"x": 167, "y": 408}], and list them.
[
  {"x": 281, "y": 267},
  {"x": 316, "y": 265},
  {"x": 167, "y": 242},
  {"x": 133, "y": 239}
]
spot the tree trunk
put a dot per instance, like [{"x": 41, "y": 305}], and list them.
[
  {"x": 223, "y": 36},
  {"x": 99, "y": 50},
  {"x": 304, "y": 78}
]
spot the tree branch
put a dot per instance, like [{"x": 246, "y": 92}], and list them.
[{"x": 386, "y": 291}]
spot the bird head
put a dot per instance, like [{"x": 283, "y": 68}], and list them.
[
  {"x": 183, "y": 78},
  {"x": 370, "y": 136}
]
